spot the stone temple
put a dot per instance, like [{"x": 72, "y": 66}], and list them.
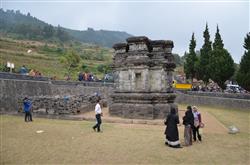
[{"x": 143, "y": 70}]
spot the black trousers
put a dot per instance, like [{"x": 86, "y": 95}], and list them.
[
  {"x": 98, "y": 122},
  {"x": 28, "y": 116},
  {"x": 196, "y": 131}
]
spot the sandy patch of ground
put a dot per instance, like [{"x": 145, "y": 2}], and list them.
[{"x": 212, "y": 125}]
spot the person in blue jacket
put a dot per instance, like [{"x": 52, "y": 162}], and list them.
[
  {"x": 27, "y": 109},
  {"x": 23, "y": 70}
]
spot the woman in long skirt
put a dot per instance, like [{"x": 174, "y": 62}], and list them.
[{"x": 171, "y": 131}]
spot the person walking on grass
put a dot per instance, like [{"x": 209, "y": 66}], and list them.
[
  {"x": 98, "y": 114},
  {"x": 197, "y": 123},
  {"x": 188, "y": 122},
  {"x": 171, "y": 131},
  {"x": 27, "y": 109}
]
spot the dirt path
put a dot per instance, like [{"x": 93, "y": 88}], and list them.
[{"x": 212, "y": 125}]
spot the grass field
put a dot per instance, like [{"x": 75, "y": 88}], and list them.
[{"x": 74, "y": 142}]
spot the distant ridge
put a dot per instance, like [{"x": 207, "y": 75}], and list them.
[
  {"x": 20, "y": 26},
  {"x": 99, "y": 37}
]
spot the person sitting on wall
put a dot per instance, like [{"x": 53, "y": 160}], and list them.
[
  {"x": 80, "y": 76},
  {"x": 32, "y": 72},
  {"x": 85, "y": 76},
  {"x": 23, "y": 70}
]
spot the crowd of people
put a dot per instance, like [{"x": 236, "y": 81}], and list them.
[
  {"x": 192, "y": 123},
  {"x": 86, "y": 77},
  {"x": 82, "y": 76},
  {"x": 32, "y": 72}
]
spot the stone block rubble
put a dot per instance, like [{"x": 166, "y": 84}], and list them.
[{"x": 62, "y": 105}]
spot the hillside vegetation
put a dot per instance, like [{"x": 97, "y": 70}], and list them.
[
  {"x": 16, "y": 25},
  {"x": 46, "y": 58},
  {"x": 26, "y": 40}
]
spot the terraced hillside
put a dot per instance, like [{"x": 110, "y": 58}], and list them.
[{"x": 46, "y": 57}]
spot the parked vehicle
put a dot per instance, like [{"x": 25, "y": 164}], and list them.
[{"x": 231, "y": 88}]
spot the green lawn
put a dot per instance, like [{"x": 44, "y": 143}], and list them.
[{"x": 74, "y": 142}]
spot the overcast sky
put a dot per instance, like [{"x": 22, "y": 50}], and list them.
[{"x": 160, "y": 19}]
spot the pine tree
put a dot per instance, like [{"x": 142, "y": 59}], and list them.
[
  {"x": 205, "y": 51},
  {"x": 243, "y": 75},
  {"x": 218, "y": 43},
  {"x": 189, "y": 65},
  {"x": 221, "y": 64}
]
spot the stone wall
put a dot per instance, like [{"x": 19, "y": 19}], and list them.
[
  {"x": 212, "y": 100},
  {"x": 6, "y": 75},
  {"x": 219, "y": 94},
  {"x": 58, "y": 105},
  {"x": 13, "y": 88}
]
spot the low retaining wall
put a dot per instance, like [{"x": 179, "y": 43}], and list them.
[
  {"x": 56, "y": 105},
  {"x": 14, "y": 87},
  {"x": 5, "y": 75},
  {"x": 12, "y": 90},
  {"x": 230, "y": 103},
  {"x": 219, "y": 94}
]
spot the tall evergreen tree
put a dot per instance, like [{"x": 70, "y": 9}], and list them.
[
  {"x": 189, "y": 65},
  {"x": 243, "y": 75},
  {"x": 218, "y": 43},
  {"x": 205, "y": 51},
  {"x": 221, "y": 64}
]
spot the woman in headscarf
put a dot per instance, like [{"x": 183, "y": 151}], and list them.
[
  {"x": 188, "y": 121},
  {"x": 171, "y": 131},
  {"x": 197, "y": 123}
]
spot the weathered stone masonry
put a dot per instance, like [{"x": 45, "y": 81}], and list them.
[
  {"x": 143, "y": 70},
  {"x": 49, "y": 97}
]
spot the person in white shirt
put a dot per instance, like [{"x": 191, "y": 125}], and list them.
[{"x": 98, "y": 114}]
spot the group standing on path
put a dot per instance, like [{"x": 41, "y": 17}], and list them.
[{"x": 192, "y": 123}]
